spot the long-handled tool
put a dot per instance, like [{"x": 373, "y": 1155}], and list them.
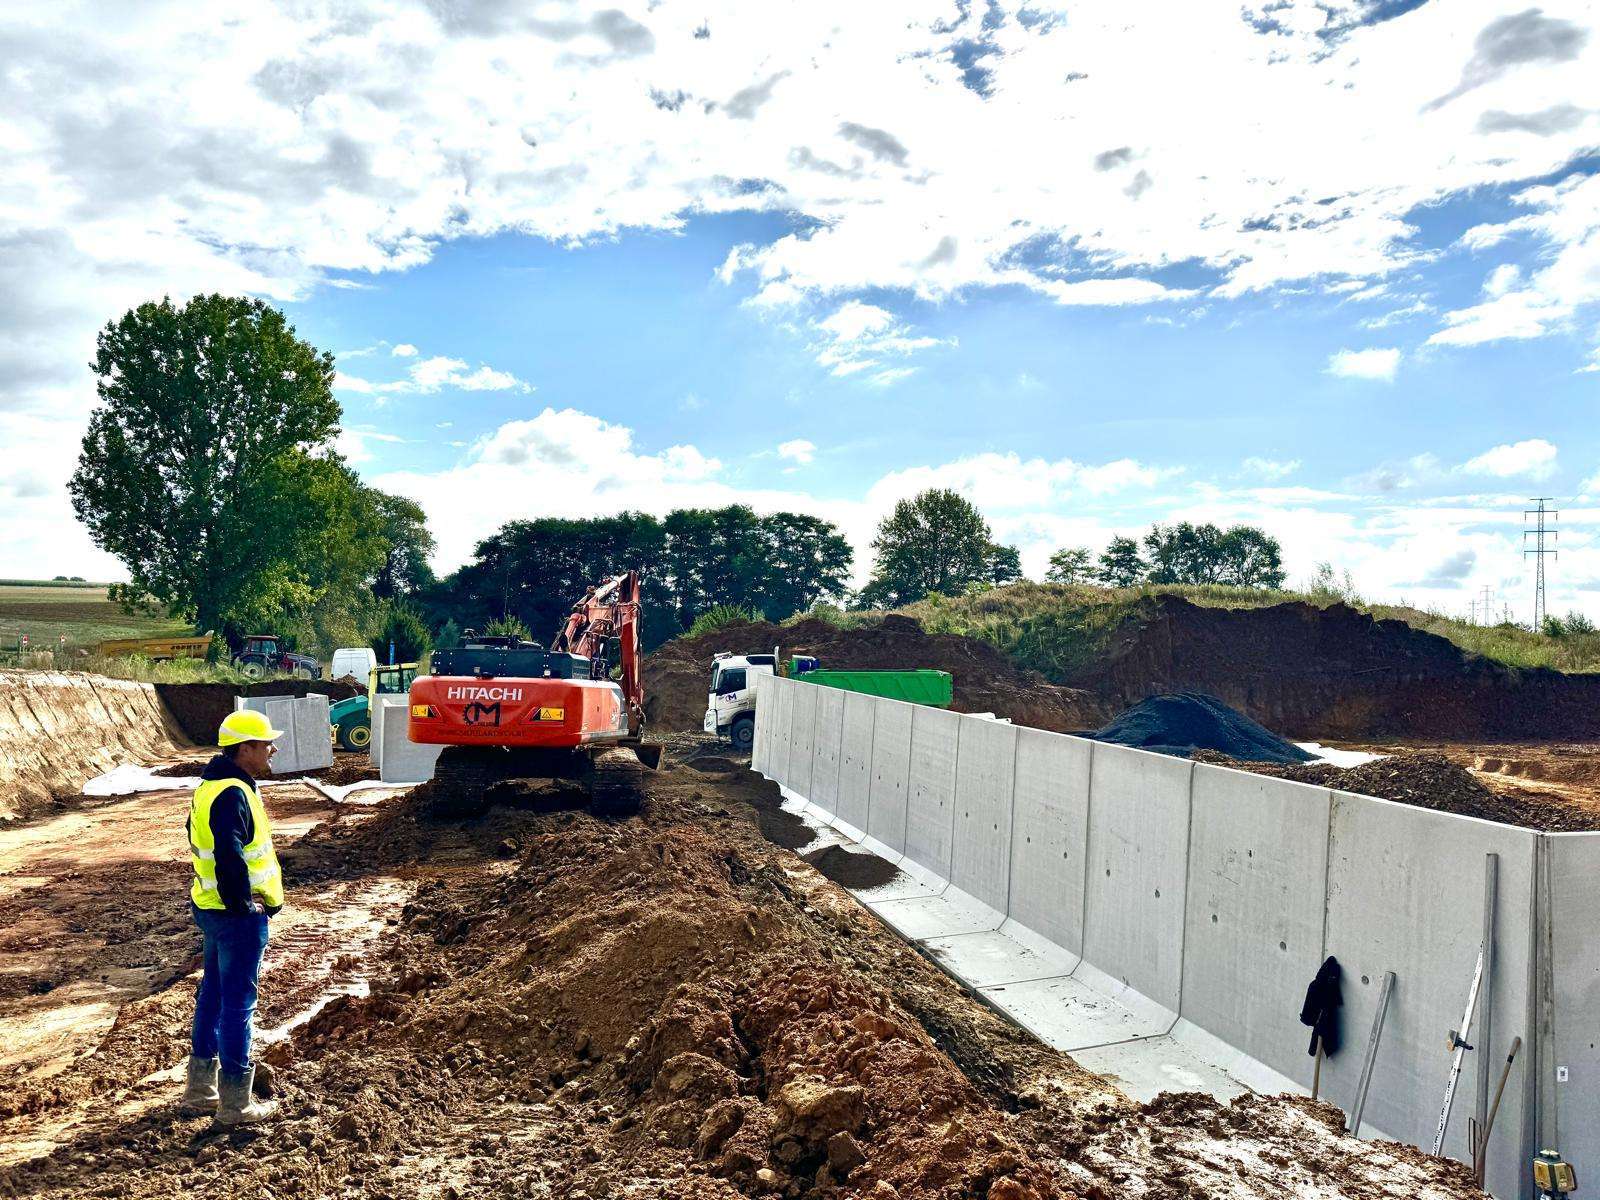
[
  {"x": 1372, "y": 1053},
  {"x": 1480, "y": 1149},
  {"x": 1459, "y": 1044}
]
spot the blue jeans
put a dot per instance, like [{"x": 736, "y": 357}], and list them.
[{"x": 226, "y": 1001}]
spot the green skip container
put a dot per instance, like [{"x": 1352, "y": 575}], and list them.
[{"x": 921, "y": 686}]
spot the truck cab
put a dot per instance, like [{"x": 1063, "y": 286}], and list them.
[{"x": 731, "y": 702}]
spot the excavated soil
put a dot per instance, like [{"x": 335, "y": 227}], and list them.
[
  {"x": 1435, "y": 781},
  {"x": 678, "y": 674},
  {"x": 549, "y": 1004},
  {"x": 198, "y": 708},
  {"x": 58, "y": 730},
  {"x": 1333, "y": 672}
]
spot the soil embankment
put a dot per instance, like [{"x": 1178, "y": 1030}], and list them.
[
  {"x": 1309, "y": 672},
  {"x": 198, "y": 708},
  {"x": 58, "y": 730},
  {"x": 678, "y": 674}
]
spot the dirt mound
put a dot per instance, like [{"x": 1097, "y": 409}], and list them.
[
  {"x": 677, "y": 675},
  {"x": 1433, "y": 781},
  {"x": 57, "y": 731},
  {"x": 199, "y": 708},
  {"x": 1182, "y": 723},
  {"x": 1335, "y": 672}
]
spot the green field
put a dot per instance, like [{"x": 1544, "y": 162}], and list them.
[{"x": 82, "y": 613}]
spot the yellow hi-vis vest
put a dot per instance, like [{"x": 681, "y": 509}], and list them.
[{"x": 266, "y": 880}]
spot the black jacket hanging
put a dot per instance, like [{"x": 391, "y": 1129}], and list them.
[{"x": 1321, "y": 1009}]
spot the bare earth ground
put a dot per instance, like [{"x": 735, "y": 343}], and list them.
[{"x": 540, "y": 1003}]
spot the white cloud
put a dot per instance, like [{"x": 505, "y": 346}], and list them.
[
  {"x": 354, "y": 443},
  {"x": 1269, "y": 468},
  {"x": 430, "y": 375},
  {"x": 1566, "y": 217},
  {"x": 1393, "y": 316},
  {"x": 797, "y": 451},
  {"x": 1365, "y": 364},
  {"x": 1534, "y": 458},
  {"x": 404, "y": 350},
  {"x": 858, "y": 337}
]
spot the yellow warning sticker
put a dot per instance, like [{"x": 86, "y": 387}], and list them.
[{"x": 552, "y": 714}]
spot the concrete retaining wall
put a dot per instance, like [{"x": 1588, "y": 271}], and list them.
[
  {"x": 307, "y": 743},
  {"x": 1185, "y": 907},
  {"x": 398, "y": 758}
]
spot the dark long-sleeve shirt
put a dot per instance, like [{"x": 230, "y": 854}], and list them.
[{"x": 232, "y": 829}]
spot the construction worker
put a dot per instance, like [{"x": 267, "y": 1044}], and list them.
[{"x": 237, "y": 885}]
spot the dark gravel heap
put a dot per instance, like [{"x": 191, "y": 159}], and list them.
[{"x": 1182, "y": 722}]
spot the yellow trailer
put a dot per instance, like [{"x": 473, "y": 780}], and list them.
[{"x": 157, "y": 649}]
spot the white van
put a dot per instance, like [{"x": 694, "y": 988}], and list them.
[{"x": 357, "y": 662}]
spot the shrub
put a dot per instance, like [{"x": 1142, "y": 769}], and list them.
[{"x": 723, "y": 614}]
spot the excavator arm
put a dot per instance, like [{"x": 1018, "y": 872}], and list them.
[{"x": 609, "y": 612}]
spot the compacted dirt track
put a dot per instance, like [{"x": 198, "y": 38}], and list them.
[{"x": 541, "y": 1003}]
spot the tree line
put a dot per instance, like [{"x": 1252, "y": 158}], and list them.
[
  {"x": 209, "y": 468},
  {"x": 1241, "y": 556}
]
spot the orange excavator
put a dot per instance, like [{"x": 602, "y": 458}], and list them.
[{"x": 505, "y": 708}]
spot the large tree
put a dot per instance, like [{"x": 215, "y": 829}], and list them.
[
  {"x": 1242, "y": 556},
  {"x": 193, "y": 467},
  {"x": 408, "y": 544},
  {"x": 1120, "y": 564},
  {"x": 1070, "y": 564},
  {"x": 936, "y": 541}
]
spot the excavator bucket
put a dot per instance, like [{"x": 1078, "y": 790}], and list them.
[{"x": 648, "y": 753}]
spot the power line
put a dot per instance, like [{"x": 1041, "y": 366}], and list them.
[{"x": 1543, "y": 527}]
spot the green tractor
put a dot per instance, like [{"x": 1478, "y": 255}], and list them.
[{"x": 351, "y": 720}]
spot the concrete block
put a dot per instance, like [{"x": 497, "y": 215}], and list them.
[
  {"x": 1137, "y": 861},
  {"x": 1049, "y": 835},
  {"x": 930, "y": 798},
  {"x": 980, "y": 855},
  {"x": 1258, "y": 857},
  {"x": 781, "y": 693},
  {"x": 993, "y": 957},
  {"x": 1574, "y": 870},
  {"x": 380, "y": 725},
  {"x": 758, "y": 747},
  {"x": 825, "y": 747},
  {"x": 945, "y": 915},
  {"x": 855, "y": 763},
  {"x": 802, "y": 731},
  {"x": 891, "y": 764},
  {"x": 312, "y": 734},
  {"x": 1405, "y": 894},
  {"x": 404, "y": 761},
  {"x": 1069, "y": 1014}
]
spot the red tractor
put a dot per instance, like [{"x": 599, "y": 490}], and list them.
[{"x": 510, "y": 709}]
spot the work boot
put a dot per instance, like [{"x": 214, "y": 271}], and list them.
[
  {"x": 236, "y": 1105},
  {"x": 200, "y": 1093}
]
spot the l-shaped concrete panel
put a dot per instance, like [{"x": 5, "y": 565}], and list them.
[{"x": 1161, "y": 919}]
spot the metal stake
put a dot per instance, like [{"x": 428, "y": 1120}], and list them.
[
  {"x": 1372, "y": 1053},
  {"x": 1491, "y": 882}
]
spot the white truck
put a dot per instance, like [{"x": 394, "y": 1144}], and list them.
[{"x": 731, "y": 703}]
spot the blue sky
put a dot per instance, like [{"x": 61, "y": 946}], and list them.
[{"x": 1332, "y": 268}]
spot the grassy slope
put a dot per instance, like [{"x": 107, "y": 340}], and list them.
[
  {"x": 83, "y": 613},
  {"x": 46, "y": 611},
  {"x": 1057, "y": 628}
]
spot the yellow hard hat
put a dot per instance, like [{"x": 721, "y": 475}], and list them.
[{"x": 246, "y": 725}]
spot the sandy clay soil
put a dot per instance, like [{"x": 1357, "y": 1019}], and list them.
[{"x": 540, "y": 1003}]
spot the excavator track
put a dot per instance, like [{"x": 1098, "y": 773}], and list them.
[
  {"x": 616, "y": 788},
  {"x": 469, "y": 780}
]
